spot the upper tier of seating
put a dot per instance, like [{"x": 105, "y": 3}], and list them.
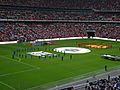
[{"x": 94, "y": 4}]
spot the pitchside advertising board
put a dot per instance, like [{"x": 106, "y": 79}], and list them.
[{"x": 38, "y": 44}]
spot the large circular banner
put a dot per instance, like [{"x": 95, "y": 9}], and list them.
[{"x": 72, "y": 50}]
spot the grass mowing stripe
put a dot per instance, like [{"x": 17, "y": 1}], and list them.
[
  {"x": 73, "y": 78},
  {"x": 85, "y": 79},
  {"x": 53, "y": 69},
  {"x": 76, "y": 78},
  {"x": 88, "y": 75},
  {"x": 21, "y": 62},
  {"x": 17, "y": 72},
  {"x": 7, "y": 85}
]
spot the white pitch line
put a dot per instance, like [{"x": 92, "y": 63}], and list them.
[
  {"x": 21, "y": 62},
  {"x": 81, "y": 76},
  {"x": 7, "y": 85},
  {"x": 17, "y": 72},
  {"x": 77, "y": 81}
]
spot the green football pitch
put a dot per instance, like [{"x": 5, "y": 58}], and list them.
[{"x": 35, "y": 73}]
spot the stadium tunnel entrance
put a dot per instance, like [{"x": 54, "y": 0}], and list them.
[{"x": 90, "y": 33}]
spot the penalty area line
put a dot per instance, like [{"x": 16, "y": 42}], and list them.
[
  {"x": 17, "y": 72},
  {"x": 22, "y": 62},
  {"x": 7, "y": 85}
]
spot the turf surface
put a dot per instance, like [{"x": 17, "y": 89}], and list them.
[{"x": 37, "y": 74}]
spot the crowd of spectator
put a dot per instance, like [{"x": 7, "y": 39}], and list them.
[
  {"x": 56, "y": 15},
  {"x": 92, "y": 4},
  {"x": 33, "y": 31},
  {"x": 38, "y": 31},
  {"x": 104, "y": 84}
]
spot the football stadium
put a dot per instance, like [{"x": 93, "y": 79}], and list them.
[{"x": 60, "y": 45}]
